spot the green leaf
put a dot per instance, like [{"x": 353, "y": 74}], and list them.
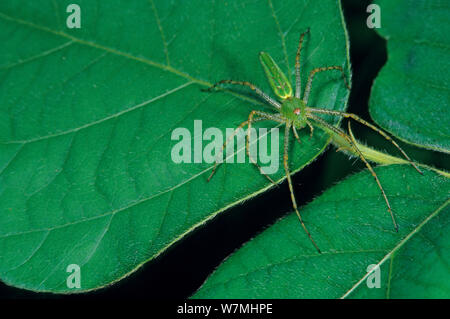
[
  {"x": 411, "y": 95},
  {"x": 351, "y": 225},
  {"x": 86, "y": 117}
]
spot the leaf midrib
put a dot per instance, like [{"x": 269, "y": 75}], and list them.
[
  {"x": 332, "y": 253},
  {"x": 142, "y": 60},
  {"x": 105, "y": 48},
  {"x": 391, "y": 253},
  {"x": 109, "y": 117},
  {"x": 160, "y": 66},
  {"x": 113, "y": 51}
]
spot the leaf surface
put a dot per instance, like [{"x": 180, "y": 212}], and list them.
[
  {"x": 411, "y": 96},
  {"x": 351, "y": 225},
  {"x": 86, "y": 117}
]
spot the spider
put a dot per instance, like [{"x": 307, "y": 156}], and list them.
[{"x": 294, "y": 113}]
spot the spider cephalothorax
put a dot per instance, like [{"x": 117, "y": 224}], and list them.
[{"x": 294, "y": 109}]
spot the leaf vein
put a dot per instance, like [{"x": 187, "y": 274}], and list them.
[
  {"x": 37, "y": 56},
  {"x": 398, "y": 246}
]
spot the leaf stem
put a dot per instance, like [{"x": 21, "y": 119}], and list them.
[{"x": 371, "y": 154}]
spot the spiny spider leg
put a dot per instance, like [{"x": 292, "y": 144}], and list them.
[
  {"x": 311, "y": 77},
  {"x": 250, "y": 120},
  {"x": 236, "y": 130},
  {"x": 311, "y": 128},
  {"x": 298, "y": 81},
  {"x": 291, "y": 189},
  {"x": 258, "y": 91},
  {"x": 374, "y": 176},
  {"x": 296, "y": 134},
  {"x": 376, "y": 129},
  {"x": 352, "y": 143}
]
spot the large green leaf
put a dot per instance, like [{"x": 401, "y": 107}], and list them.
[
  {"x": 353, "y": 228},
  {"x": 86, "y": 117},
  {"x": 411, "y": 96}
]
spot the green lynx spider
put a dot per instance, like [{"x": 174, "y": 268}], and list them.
[{"x": 294, "y": 113}]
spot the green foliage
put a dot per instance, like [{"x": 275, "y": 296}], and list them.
[
  {"x": 349, "y": 220},
  {"x": 411, "y": 96},
  {"x": 352, "y": 227},
  {"x": 86, "y": 117}
]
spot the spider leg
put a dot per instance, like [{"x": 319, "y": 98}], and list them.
[
  {"x": 298, "y": 82},
  {"x": 291, "y": 188},
  {"x": 373, "y": 127},
  {"x": 296, "y": 134},
  {"x": 243, "y": 124},
  {"x": 374, "y": 176},
  {"x": 258, "y": 91},
  {"x": 311, "y": 128},
  {"x": 311, "y": 77},
  {"x": 250, "y": 120},
  {"x": 352, "y": 142}
]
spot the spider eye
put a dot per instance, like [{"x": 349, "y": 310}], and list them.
[{"x": 297, "y": 111}]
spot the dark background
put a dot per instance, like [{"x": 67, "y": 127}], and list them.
[{"x": 181, "y": 269}]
